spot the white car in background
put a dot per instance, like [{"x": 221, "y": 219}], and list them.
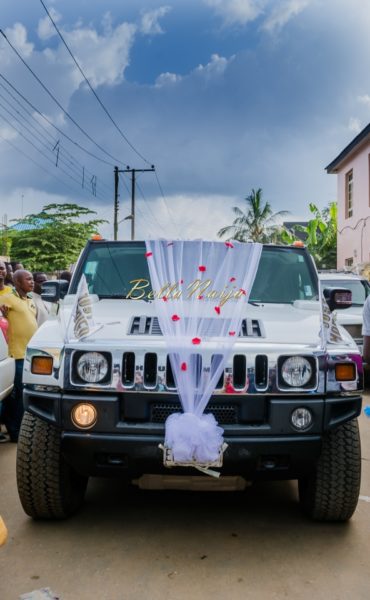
[
  {"x": 349, "y": 318},
  {"x": 7, "y": 366}
]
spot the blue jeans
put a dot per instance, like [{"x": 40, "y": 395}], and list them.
[{"x": 12, "y": 410}]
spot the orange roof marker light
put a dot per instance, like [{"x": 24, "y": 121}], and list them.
[
  {"x": 298, "y": 244},
  {"x": 96, "y": 236}
]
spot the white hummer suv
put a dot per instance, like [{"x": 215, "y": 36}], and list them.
[{"x": 111, "y": 421}]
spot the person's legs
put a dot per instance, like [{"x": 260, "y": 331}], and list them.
[{"x": 13, "y": 404}]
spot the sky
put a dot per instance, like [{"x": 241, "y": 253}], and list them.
[{"x": 221, "y": 96}]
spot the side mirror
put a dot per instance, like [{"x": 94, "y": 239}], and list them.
[
  {"x": 54, "y": 290},
  {"x": 338, "y": 298}
]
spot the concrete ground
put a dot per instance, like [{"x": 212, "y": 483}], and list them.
[{"x": 174, "y": 546}]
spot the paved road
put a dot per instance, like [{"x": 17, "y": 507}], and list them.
[{"x": 180, "y": 546}]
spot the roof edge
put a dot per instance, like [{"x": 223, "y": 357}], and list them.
[{"x": 332, "y": 167}]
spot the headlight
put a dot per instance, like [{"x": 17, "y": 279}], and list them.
[
  {"x": 296, "y": 371},
  {"x": 92, "y": 367}
]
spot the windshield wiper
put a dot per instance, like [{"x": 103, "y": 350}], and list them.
[{"x": 113, "y": 297}]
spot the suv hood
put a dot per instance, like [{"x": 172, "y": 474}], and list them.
[{"x": 277, "y": 323}]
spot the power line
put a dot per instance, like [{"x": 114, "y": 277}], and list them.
[
  {"x": 57, "y": 101},
  {"x": 36, "y": 163},
  {"x": 91, "y": 88},
  {"x": 80, "y": 170},
  {"x": 122, "y": 179},
  {"x": 148, "y": 206},
  {"x": 52, "y": 124},
  {"x": 166, "y": 205},
  {"x": 42, "y": 153}
]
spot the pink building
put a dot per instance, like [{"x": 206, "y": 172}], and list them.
[{"x": 352, "y": 166}]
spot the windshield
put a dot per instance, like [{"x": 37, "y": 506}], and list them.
[
  {"x": 360, "y": 288},
  {"x": 120, "y": 270}
]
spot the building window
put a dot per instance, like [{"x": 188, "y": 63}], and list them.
[
  {"x": 348, "y": 262},
  {"x": 349, "y": 194}
]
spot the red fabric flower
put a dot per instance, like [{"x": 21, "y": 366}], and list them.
[
  {"x": 184, "y": 366},
  {"x": 196, "y": 341},
  {"x": 181, "y": 281},
  {"x": 217, "y": 309},
  {"x": 229, "y": 245},
  {"x": 232, "y": 333},
  {"x": 202, "y": 268},
  {"x": 147, "y": 254},
  {"x": 164, "y": 298},
  {"x": 175, "y": 318},
  {"x": 243, "y": 292},
  {"x": 200, "y": 297},
  {"x": 232, "y": 279}
]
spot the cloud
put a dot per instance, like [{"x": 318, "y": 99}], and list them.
[
  {"x": 150, "y": 20},
  {"x": 211, "y": 71},
  {"x": 240, "y": 12},
  {"x": 365, "y": 99},
  {"x": 237, "y": 12},
  {"x": 103, "y": 58},
  {"x": 355, "y": 124},
  {"x": 216, "y": 66},
  {"x": 167, "y": 79},
  {"x": 284, "y": 12},
  {"x": 45, "y": 28},
  {"x": 182, "y": 216},
  {"x": 18, "y": 37},
  {"x": 7, "y": 133}
]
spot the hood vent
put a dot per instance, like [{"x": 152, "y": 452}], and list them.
[{"x": 150, "y": 326}]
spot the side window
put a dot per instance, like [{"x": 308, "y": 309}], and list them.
[{"x": 349, "y": 195}]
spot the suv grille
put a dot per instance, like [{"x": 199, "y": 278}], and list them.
[{"x": 224, "y": 414}]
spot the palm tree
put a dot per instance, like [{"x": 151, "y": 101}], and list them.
[{"x": 256, "y": 224}]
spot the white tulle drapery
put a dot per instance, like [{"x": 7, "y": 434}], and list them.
[{"x": 201, "y": 292}]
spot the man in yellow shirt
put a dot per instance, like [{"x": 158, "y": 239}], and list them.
[{"x": 20, "y": 311}]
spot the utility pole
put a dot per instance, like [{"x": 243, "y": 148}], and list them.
[
  {"x": 133, "y": 193},
  {"x": 116, "y": 203}
]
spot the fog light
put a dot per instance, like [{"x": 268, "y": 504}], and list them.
[
  {"x": 84, "y": 416},
  {"x": 301, "y": 418}
]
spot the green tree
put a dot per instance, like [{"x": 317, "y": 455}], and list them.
[
  {"x": 321, "y": 232},
  {"x": 56, "y": 237},
  {"x": 257, "y": 223}
]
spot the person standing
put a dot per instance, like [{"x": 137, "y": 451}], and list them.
[
  {"x": 4, "y": 289},
  {"x": 20, "y": 311},
  {"x": 42, "y": 308},
  {"x": 16, "y": 265},
  {"x": 366, "y": 330},
  {"x": 9, "y": 274}
]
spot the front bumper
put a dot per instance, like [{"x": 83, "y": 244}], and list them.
[{"x": 262, "y": 443}]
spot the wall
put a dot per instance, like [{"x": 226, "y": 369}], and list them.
[{"x": 354, "y": 233}]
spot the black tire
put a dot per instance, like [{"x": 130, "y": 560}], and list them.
[
  {"x": 331, "y": 492},
  {"x": 48, "y": 487}
]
